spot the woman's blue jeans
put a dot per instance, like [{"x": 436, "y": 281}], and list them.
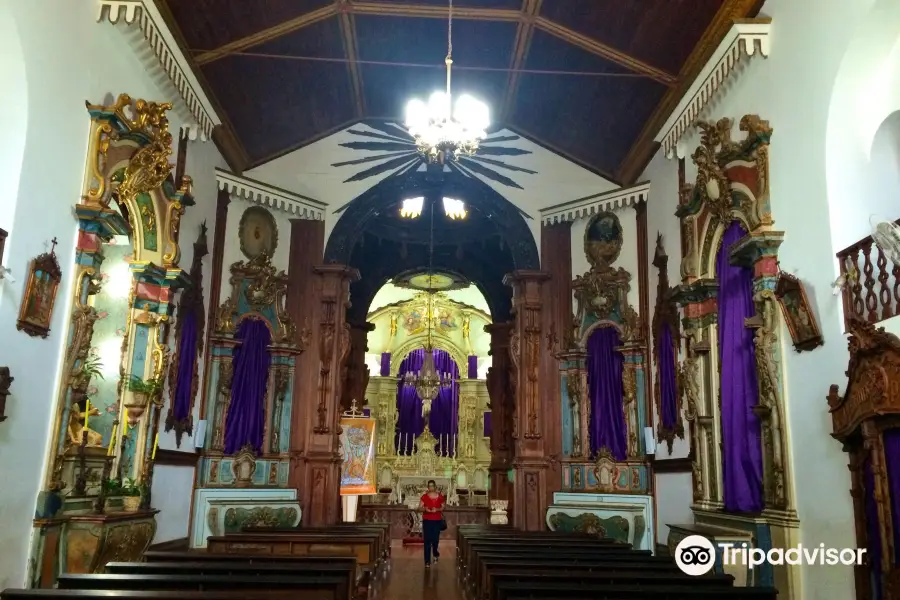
[{"x": 431, "y": 534}]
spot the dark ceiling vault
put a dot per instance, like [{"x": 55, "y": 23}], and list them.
[
  {"x": 592, "y": 80},
  {"x": 492, "y": 241}
]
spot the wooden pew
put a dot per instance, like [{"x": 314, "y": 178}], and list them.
[
  {"x": 553, "y": 591},
  {"x": 384, "y": 529},
  {"x": 50, "y": 594},
  {"x": 635, "y": 576},
  {"x": 509, "y": 565},
  {"x": 324, "y": 587},
  {"x": 357, "y": 544}
]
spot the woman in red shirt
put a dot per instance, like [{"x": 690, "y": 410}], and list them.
[{"x": 432, "y": 507}]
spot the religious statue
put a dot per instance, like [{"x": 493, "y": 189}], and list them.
[
  {"x": 77, "y": 428},
  {"x": 467, "y": 323},
  {"x": 393, "y": 324}
]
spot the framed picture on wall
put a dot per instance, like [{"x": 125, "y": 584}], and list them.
[
  {"x": 41, "y": 285},
  {"x": 798, "y": 314}
]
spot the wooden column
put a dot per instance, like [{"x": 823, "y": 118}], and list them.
[
  {"x": 556, "y": 260},
  {"x": 501, "y": 413},
  {"x": 320, "y": 480},
  {"x": 530, "y": 462},
  {"x": 302, "y": 305},
  {"x": 644, "y": 308},
  {"x": 215, "y": 286},
  {"x": 356, "y": 373}
]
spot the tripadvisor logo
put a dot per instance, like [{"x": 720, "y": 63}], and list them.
[{"x": 696, "y": 555}]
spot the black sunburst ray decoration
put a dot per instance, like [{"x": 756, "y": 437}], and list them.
[{"x": 397, "y": 155}]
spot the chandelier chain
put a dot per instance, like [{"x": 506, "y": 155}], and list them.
[{"x": 449, "y": 59}]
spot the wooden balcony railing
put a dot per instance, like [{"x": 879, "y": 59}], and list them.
[{"x": 872, "y": 296}]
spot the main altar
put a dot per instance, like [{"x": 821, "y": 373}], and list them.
[{"x": 458, "y": 462}]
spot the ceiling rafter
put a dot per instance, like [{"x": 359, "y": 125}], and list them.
[
  {"x": 440, "y": 12},
  {"x": 224, "y": 136},
  {"x": 434, "y": 12},
  {"x": 530, "y": 9},
  {"x": 641, "y": 151},
  {"x": 268, "y": 34},
  {"x": 602, "y": 50},
  {"x": 351, "y": 49}
]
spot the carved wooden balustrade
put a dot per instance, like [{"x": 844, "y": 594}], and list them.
[{"x": 873, "y": 294}]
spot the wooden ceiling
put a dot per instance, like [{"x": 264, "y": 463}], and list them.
[{"x": 284, "y": 73}]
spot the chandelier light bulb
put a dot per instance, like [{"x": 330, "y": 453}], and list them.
[
  {"x": 439, "y": 107},
  {"x": 472, "y": 114},
  {"x": 416, "y": 115}
]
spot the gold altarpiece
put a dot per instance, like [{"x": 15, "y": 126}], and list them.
[
  {"x": 129, "y": 193},
  {"x": 457, "y": 329},
  {"x": 732, "y": 184}
]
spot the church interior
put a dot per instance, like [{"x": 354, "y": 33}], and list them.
[{"x": 613, "y": 276}]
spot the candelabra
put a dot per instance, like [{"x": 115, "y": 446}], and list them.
[
  {"x": 80, "y": 487},
  {"x": 100, "y": 502}
]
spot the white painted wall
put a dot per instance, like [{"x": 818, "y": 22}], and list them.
[
  {"x": 68, "y": 58},
  {"x": 233, "y": 254},
  {"x": 309, "y": 171},
  {"x": 830, "y": 81},
  {"x": 628, "y": 257},
  {"x": 676, "y": 489},
  {"x": 172, "y": 487}
]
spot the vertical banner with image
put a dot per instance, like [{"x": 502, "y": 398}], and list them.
[{"x": 357, "y": 456}]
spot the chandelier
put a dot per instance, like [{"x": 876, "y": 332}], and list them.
[
  {"x": 441, "y": 135},
  {"x": 428, "y": 382}
]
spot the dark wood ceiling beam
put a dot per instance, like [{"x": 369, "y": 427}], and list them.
[
  {"x": 604, "y": 51},
  {"x": 224, "y": 136},
  {"x": 530, "y": 9},
  {"x": 351, "y": 45},
  {"x": 386, "y": 9},
  {"x": 641, "y": 151},
  {"x": 267, "y": 35}
]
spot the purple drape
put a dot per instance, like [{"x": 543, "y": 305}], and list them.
[
  {"x": 487, "y": 424},
  {"x": 873, "y": 532},
  {"x": 187, "y": 356},
  {"x": 246, "y": 413},
  {"x": 385, "y": 364},
  {"x": 443, "y": 421},
  {"x": 605, "y": 365},
  {"x": 741, "y": 446},
  {"x": 473, "y": 367},
  {"x": 668, "y": 387},
  {"x": 892, "y": 464}
]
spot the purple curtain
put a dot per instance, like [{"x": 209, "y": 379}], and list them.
[
  {"x": 443, "y": 420},
  {"x": 668, "y": 388},
  {"x": 892, "y": 463},
  {"x": 487, "y": 424},
  {"x": 385, "y": 364},
  {"x": 872, "y": 530},
  {"x": 741, "y": 445},
  {"x": 409, "y": 406},
  {"x": 605, "y": 365},
  {"x": 246, "y": 414},
  {"x": 187, "y": 356},
  {"x": 473, "y": 367}
]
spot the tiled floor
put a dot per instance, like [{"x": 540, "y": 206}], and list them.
[{"x": 410, "y": 580}]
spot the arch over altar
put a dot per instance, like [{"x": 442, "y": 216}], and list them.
[{"x": 457, "y": 329}]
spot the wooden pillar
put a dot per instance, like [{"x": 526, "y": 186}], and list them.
[
  {"x": 320, "y": 484},
  {"x": 215, "y": 286},
  {"x": 556, "y": 260},
  {"x": 501, "y": 413},
  {"x": 302, "y": 305},
  {"x": 530, "y": 462},
  {"x": 356, "y": 373}
]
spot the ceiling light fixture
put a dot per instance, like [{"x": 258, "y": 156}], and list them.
[
  {"x": 441, "y": 136},
  {"x": 455, "y": 209},
  {"x": 412, "y": 208}
]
